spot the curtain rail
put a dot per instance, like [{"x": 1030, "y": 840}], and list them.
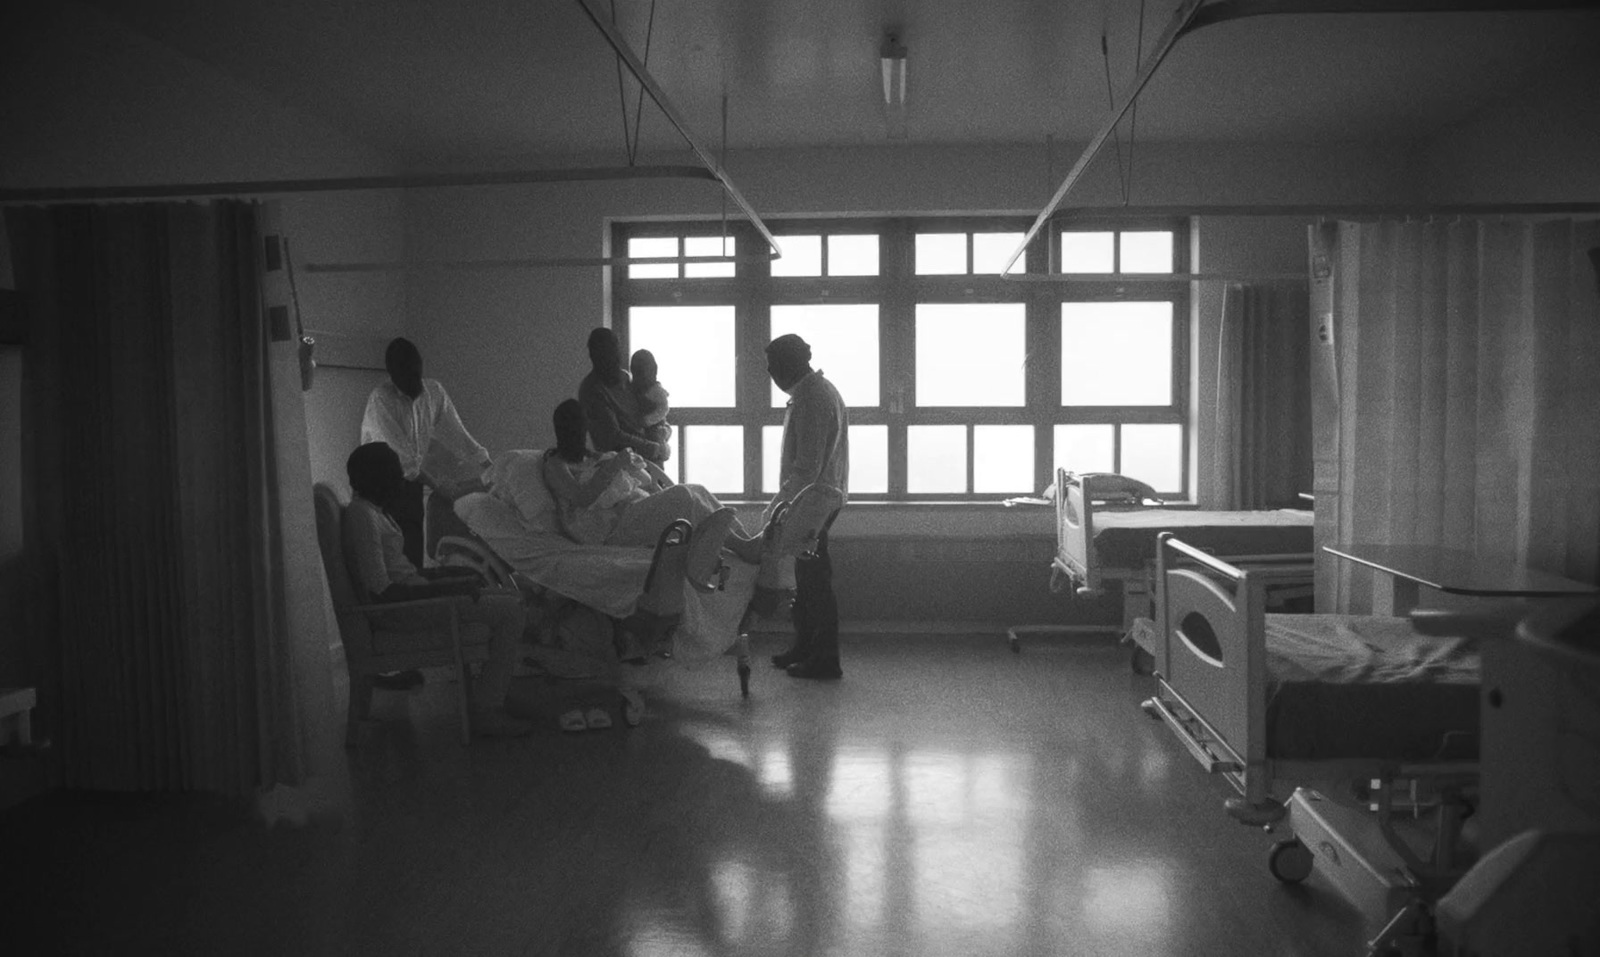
[{"x": 352, "y": 183}]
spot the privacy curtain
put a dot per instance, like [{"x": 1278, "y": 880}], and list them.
[
  {"x": 1457, "y": 375},
  {"x": 164, "y": 503},
  {"x": 1263, "y": 437}
]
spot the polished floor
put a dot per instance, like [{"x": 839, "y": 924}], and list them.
[{"x": 946, "y": 798}]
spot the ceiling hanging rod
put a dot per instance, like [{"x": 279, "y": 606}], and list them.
[
  {"x": 1195, "y": 14},
  {"x": 675, "y": 117},
  {"x": 402, "y": 181},
  {"x": 531, "y": 262}
]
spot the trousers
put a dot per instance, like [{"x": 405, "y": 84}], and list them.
[{"x": 816, "y": 609}]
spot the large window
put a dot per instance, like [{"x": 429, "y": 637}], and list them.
[{"x": 961, "y": 384}]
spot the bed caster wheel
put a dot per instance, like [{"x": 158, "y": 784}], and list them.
[
  {"x": 1016, "y": 645},
  {"x": 1290, "y": 861},
  {"x": 1142, "y": 662},
  {"x": 1152, "y": 708},
  {"x": 744, "y": 681}
]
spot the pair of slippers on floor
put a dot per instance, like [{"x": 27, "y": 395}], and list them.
[{"x": 598, "y": 719}]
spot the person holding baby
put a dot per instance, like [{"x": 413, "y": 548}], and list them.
[{"x": 611, "y": 406}]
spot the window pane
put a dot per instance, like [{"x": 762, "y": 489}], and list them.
[
  {"x": 941, "y": 254},
  {"x": 869, "y": 459},
  {"x": 1087, "y": 252},
  {"x": 1002, "y": 458},
  {"x": 802, "y": 256},
  {"x": 693, "y": 346},
  {"x": 714, "y": 457},
  {"x": 1085, "y": 448},
  {"x": 844, "y": 344},
  {"x": 936, "y": 458},
  {"x": 1116, "y": 353},
  {"x": 708, "y": 246},
  {"x": 991, "y": 250},
  {"x": 648, "y": 247},
  {"x": 674, "y": 466},
  {"x": 971, "y": 354},
  {"x": 1154, "y": 454},
  {"x": 771, "y": 457},
  {"x": 1147, "y": 252},
  {"x": 853, "y": 255}
]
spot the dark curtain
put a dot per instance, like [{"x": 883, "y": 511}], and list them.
[
  {"x": 151, "y": 491},
  {"x": 1263, "y": 440}
]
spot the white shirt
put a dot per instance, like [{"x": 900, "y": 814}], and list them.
[
  {"x": 816, "y": 438},
  {"x": 375, "y": 545},
  {"x": 411, "y": 426}
]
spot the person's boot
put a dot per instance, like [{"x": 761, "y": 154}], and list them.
[{"x": 816, "y": 667}]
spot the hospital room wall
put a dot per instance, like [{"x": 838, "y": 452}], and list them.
[
  {"x": 509, "y": 344},
  {"x": 84, "y": 101}
]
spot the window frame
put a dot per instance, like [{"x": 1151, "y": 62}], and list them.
[{"x": 897, "y": 291}]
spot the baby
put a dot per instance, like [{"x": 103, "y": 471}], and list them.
[{"x": 652, "y": 398}]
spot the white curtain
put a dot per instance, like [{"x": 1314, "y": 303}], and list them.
[{"x": 1457, "y": 394}]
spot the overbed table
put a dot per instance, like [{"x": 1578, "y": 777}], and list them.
[
  {"x": 1534, "y": 688},
  {"x": 1456, "y": 572}
]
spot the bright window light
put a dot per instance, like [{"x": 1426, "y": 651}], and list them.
[
  {"x": 693, "y": 346},
  {"x": 1085, "y": 448},
  {"x": 941, "y": 254},
  {"x": 936, "y": 459},
  {"x": 1116, "y": 353},
  {"x": 844, "y": 344},
  {"x": 1153, "y": 454},
  {"x": 869, "y": 459},
  {"x": 971, "y": 354},
  {"x": 1088, "y": 252},
  {"x": 647, "y": 247},
  {"x": 714, "y": 457},
  {"x": 771, "y": 457},
  {"x": 1002, "y": 458},
  {"x": 991, "y": 250},
  {"x": 853, "y": 255},
  {"x": 802, "y": 256},
  {"x": 1147, "y": 251},
  {"x": 708, "y": 246}
]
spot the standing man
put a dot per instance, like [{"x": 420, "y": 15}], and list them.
[
  {"x": 609, "y": 405},
  {"x": 410, "y": 414},
  {"x": 816, "y": 450}
]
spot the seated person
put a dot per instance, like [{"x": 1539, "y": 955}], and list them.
[
  {"x": 376, "y": 547},
  {"x": 621, "y": 499}
]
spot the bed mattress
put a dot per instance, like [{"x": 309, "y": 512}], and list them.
[
  {"x": 1341, "y": 686},
  {"x": 1128, "y": 539}
]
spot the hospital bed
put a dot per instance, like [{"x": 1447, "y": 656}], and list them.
[
  {"x": 1106, "y": 530},
  {"x": 1318, "y": 719},
  {"x": 643, "y": 590}
]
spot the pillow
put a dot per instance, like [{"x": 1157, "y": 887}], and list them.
[
  {"x": 1111, "y": 487},
  {"x": 490, "y": 518},
  {"x": 517, "y": 478}
]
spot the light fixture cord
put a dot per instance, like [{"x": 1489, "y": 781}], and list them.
[
  {"x": 622, "y": 92},
  {"x": 638, "y": 110},
  {"x": 1133, "y": 121},
  {"x": 1111, "y": 103}
]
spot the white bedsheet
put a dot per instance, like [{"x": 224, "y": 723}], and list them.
[{"x": 609, "y": 578}]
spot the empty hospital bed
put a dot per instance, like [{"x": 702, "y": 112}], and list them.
[
  {"x": 1106, "y": 531},
  {"x": 1315, "y": 720}
]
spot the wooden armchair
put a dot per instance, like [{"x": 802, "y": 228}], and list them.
[{"x": 441, "y": 638}]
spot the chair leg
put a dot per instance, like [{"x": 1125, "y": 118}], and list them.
[
  {"x": 465, "y": 678},
  {"x": 741, "y": 652},
  {"x": 360, "y": 707}
]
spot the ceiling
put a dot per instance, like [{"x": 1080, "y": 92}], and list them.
[{"x": 442, "y": 83}]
